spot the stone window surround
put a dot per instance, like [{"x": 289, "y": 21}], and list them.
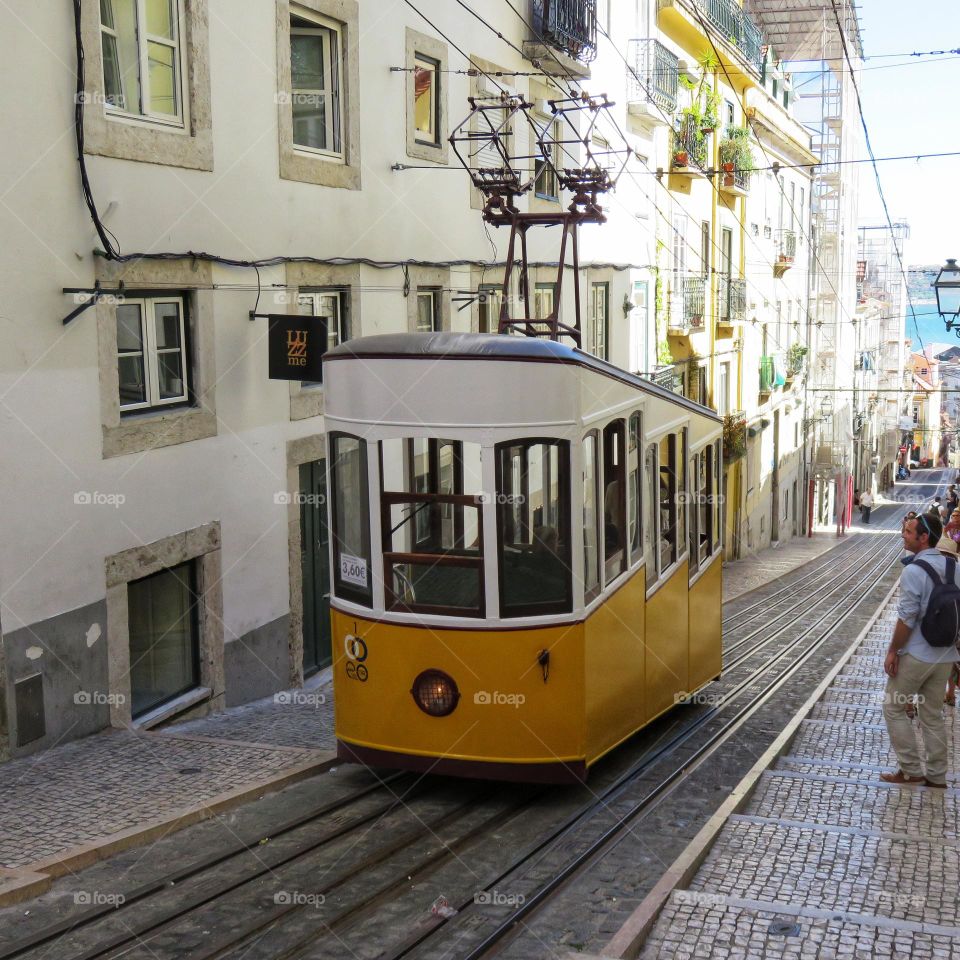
[
  {"x": 308, "y": 402},
  {"x": 436, "y": 277},
  {"x": 485, "y": 277},
  {"x": 138, "y": 432},
  {"x": 297, "y": 164},
  {"x": 201, "y": 544},
  {"x": 300, "y": 451},
  {"x": 145, "y": 140},
  {"x": 542, "y": 204},
  {"x": 422, "y": 44}
]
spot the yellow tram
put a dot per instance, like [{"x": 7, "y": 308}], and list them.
[{"x": 525, "y": 553}]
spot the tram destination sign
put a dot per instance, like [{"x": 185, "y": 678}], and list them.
[{"x": 296, "y": 346}]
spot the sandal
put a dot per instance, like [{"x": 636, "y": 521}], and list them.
[
  {"x": 901, "y": 779},
  {"x": 910, "y": 710},
  {"x": 939, "y": 786}
]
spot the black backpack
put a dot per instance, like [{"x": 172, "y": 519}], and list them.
[{"x": 941, "y": 620}]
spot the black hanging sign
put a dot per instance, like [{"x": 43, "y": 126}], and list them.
[{"x": 296, "y": 346}]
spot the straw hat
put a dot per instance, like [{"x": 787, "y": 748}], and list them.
[{"x": 948, "y": 547}]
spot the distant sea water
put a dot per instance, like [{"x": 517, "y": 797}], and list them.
[{"x": 931, "y": 327}]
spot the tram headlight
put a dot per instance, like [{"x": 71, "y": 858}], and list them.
[{"x": 435, "y": 693}]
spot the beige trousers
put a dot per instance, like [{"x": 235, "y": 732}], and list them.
[{"x": 927, "y": 681}]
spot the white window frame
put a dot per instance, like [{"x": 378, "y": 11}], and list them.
[
  {"x": 436, "y": 320},
  {"x": 143, "y": 39},
  {"x": 330, "y": 31},
  {"x": 541, "y": 167},
  {"x": 422, "y": 61},
  {"x": 544, "y": 293},
  {"x": 148, "y": 340},
  {"x": 599, "y": 291},
  {"x": 330, "y": 304},
  {"x": 490, "y": 297}
]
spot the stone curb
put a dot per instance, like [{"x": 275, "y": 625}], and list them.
[
  {"x": 628, "y": 940},
  {"x": 17, "y": 885}
]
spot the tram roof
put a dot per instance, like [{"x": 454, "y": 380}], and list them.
[{"x": 498, "y": 346}]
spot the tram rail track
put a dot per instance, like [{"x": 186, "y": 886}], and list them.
[{"x": 253, "y": 941}]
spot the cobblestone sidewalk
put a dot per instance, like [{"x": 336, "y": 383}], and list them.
[
  {"x": 70, "y": 800},
  {"x": 825, "y": 860}
]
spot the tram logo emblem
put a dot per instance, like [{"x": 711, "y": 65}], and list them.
[
  {"x": 356, "y": 651},
  {"x": 297, "y": 347}
]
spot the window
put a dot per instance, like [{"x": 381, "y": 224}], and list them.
[
  {"x": 729, "y": 112},
  {"x": 544, "y": 300},
  {"x": 164, "y": 637},
  {"x": 152, "y": 360},
  {"x": 717, "y": 495},
  {"x": 591, "y": 533},
  {"x": 351, "y": 519},
  {"x": 489, "y": 303},
  {"x": 679, "y": 243},
  {"x": 723, "y": 389},
  {"x": 142, "y": 69},
  {"x": 599, "y": 319},
  {"x": 426, "y": 100},
  {"x": 533, "y": 511},
  {"x": 705, "y": 248},
  {"x": 668, "y": 547},
  {"x": 614, "y": 505},
  {"x": 432, "y": 532},
  {"x": 544, "y": 171},
  {"x": 634, "y": 487},
  {"x": 332, "y": 307},
  {"x": 315, "y": 71},
  {"x": 651, "y": 533},
  {"x": 702, "y": 380},
  {"x": 428, "y": 310}
]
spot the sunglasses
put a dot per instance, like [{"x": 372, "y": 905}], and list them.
[{"x": 926, "y": 525}]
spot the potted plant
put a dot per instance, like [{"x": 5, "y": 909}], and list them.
[
  {"x": 736, "y": 154},
  {"x": 796, "y": 354},
  {"x": 734, "y": 437}
]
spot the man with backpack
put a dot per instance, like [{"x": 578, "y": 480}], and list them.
[{"x": 921, "y": 654}]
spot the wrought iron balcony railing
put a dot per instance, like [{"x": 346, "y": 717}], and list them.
[
  {"x": 653, "y": 75},
  {"x": 732, "y": 299},
  {"x": 772, "y": 373},
  {"x": 570, "y": 26},
  {"x": 736, "y": 27},
  {"x": 689, "y": 145},
  {"x": 786, "y": 246},
  {"x": 688, "y": 302}
]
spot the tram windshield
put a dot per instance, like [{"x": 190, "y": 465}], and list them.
[
  {"x": 533, "y": 519},
  {"x": 432, "y": 532}
]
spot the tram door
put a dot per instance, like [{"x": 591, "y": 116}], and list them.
[{"x": 315, "y": 566}]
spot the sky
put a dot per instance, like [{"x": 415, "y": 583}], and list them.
[{"x": 913, "y": 109}]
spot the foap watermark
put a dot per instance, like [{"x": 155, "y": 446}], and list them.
[
  {"x": 285, "y": 498},
  {"x": 700, "y": 698},
  {"x": 299, "y": 698},
  {"x": 97, "y": 898},
  {"x": 97, "y": 698},
  {"x": 898, "y": 699},
  {"x": 485, "y": 698},
  {"x": 298, "y": 898},
  {"x": 896, "y": 898},
  {"x": 501, "y": 499},
  {"x": 698, "y": 899},
  {"x": 97, "y": 498},
  {"x": 496, "y": 898},
  {"x": 698, "y": 499},
  {"x": 284, "y": 297},
  {"x": 110, "y": 299},
  {"x": 298, "y": 98}
]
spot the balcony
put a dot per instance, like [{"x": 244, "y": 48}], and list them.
[
  {"x": 567, "y": 28},
  {"x": 772, "y": 373},
  {"x": 734, "y": 182},
  {"x": 687, "y": 305},
  {"x": 734, "y": 26},
  {"x": 653, "y": 79},
  {"x": 734, "y": 436},
  {"x": 731, "y": 300},
  {"x": 786, "y": 252},
  {"x": 689, "y": 151}
]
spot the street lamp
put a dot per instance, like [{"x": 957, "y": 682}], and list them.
[{"x": 947, "y": 286}]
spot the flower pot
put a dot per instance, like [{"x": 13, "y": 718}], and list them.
[{"x": 681, "y": 158}]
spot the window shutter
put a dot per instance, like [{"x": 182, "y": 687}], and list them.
[{"x": 488, "y": 157}]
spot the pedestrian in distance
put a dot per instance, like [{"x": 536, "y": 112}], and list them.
[
  {"x": 949, "y": 548},
  {"x": 866, "y": 505},
  {"x": 921, "y": 655},
  {"x": 952, "y": 529}
]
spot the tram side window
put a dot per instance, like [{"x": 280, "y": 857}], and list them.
[
  {"x": 667, "y": 498},
  {"x": 650, "y": 532},
  {"x": 351, "y": 519},
  {"x": 634, "y": 487},
  {"x": 591, "y": 532},
  {"x": 533, "y": 527},
  {"x": 683, "y": 491},
  {"x": 432, "y": 534},
  {"x": 614, "y": 495},
  {"x": 695, "y": 519},
  {"x": 717, "y": 505}
]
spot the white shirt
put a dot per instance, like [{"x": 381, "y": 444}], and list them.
[
  {"x": 915, "y": 589},
  {"x": 866, "y": 500}
]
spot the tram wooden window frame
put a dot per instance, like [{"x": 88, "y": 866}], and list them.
[
  {"x": 433, "y": 471},
  {"x": 592, "y": 594},
  {"x": 635, "y": 543},
  {"x": 619, "y": 425},
  {"x": 392, "y": 602},
  {"x": 349, "y": 593},
  {"x": 563, "y": 482}
]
